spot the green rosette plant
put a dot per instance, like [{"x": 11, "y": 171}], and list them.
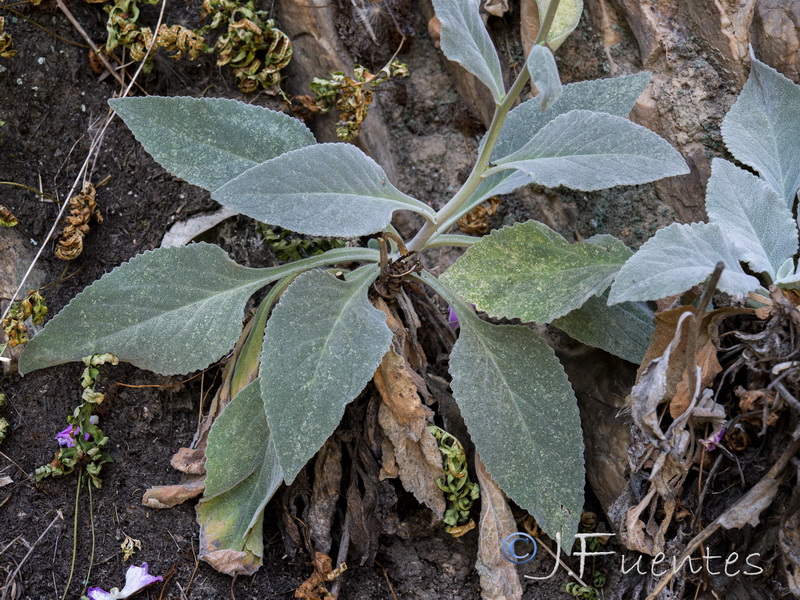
[{"x": 317, "y": 338}]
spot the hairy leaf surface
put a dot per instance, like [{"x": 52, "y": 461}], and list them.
[
  {"x": 568, "y": 14},
  {"x": 624, "y": 329},
  {"x": 530, "y": 272},
  {"x": 588, "y": 151},
  {"x": 615, "y": 96},
  {"x": 677, "y": 258},
  {"x": 209, "y": 141},
  {"x": 754, "y": 218},
  {"x": 242, "y": 474},
  {"x": 171, "y": 310},
  {"x": 542, "y": 66},
  {"x": 321, "y": 347},
  {"x": 522, "y": 415},
  {"x": 464, "y": 40},
  {"x": 763, "y": 126},
  {"x": 327, "y": 190}
]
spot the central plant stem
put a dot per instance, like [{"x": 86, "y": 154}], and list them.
[{"x": 431, "y": 229}]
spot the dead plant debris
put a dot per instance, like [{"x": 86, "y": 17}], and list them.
[
  {"x": 712, "y": 447},
  {"x": 83, "y": 208}
]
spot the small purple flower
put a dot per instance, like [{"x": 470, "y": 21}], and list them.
[
  {"x": 66, "y": 437},
  {"x": 713, "y": 441},
  {"x": 452, "y": 318},
  {"x": 136, "y": 578}
]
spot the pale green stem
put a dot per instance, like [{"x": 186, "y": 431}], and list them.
[
  {"x": 74, "y": 534},
  {"x": 420, "y": 241}
]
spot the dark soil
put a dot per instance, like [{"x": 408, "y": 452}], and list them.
[{"x": 52, "y": 104}]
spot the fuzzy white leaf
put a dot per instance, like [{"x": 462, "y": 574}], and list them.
[
  {"x": 677, "y": 258},
  {"x": 465, "y": 40},
  {"x": 755, "y": 219},
  {"x": 542, "y": 66},
  {"x": 327, "y": 189},
  {"x": 762, "y": 128},
  {"x": 588, "y": 151}
]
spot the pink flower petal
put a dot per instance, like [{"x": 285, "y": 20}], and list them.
[
  {"x": 96, "y": 593},
  {"x": 66, "y": 437},
  {"x": 135, "y": 579}
]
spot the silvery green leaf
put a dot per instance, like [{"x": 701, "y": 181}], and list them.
[
  {"x": 763, "y": 126},
  {"x": 755, "y": 219},
  {"x": 171, "y": 310},
  {"x": 675, "y": 259},
  {"x": 542, "y": 66},
  {"x": 624, "y": 329},
  {"x": 327, "y": 190},
  {"x": 530, "y": 272},
  {"x": 588, "y": 151},
  {"x": 568, "y": 14},
  {"x": 786, "y": 269},
  {"x": 464, "y": 40},
  {"x": 209, "y": 141},
  {"x": 321, "y": 347},
  {"x": 615, "y": 96},
  {"x": 242, "y": 474},
  {"x": 522, "y": 415}
]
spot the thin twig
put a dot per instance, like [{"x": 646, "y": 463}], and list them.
[
  {"x": 694, "y": 329},
  {"x": 74, "y": 534},
  {"x": 89, "y": 41},
  {"x": 16, "y": 571},
  {"x": 95, "y": 145}
]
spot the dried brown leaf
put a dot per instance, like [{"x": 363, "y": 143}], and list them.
[
  {"x": 419, "y": 462},
  {"x": 232, "y": 562},
  {"x": 399, "y": 393},
  {"x": 709, "y": 369},
  {"x": 191, "y": 461},
  {"x": 496, "y": 8},
  {"x": 528, "y": 23},
  {"x": 749, "y": 507},
  {"x": 499, "y": 578},
  {"x": 325, "y": 494},
  {"x": 167, "y": 496}
]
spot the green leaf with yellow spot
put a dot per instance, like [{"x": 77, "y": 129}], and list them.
[
  {"x": 242, "y": 474},
  {"x": 530, "y": 272}
]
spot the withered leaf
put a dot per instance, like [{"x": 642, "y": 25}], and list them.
[
  {"x": 748, "y": 508},
  {"x": 167, "y": 496},
  {"x": 709, "y": 369},
  {"x": 191, "y": 461},
  {"x": 419, "y": 462},
  {"x": 325, "y": 494},
  {"x": 499, "y": 578}
]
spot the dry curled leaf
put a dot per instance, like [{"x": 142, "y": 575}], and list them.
[
  {"x": 7, "y": 218},
  {"x": 6, "y": 43},
  {"x": 709, "y": 369},
  {"x": 314, "y": 587},
  {"x": 755, "y": 400},
  {"x": 476, "y": 221},
  {"x": 414, "y": 454},
  {"x": 167, "y": 496},
  {"x": 499, "y": 578},
  {"x": 83, "y": 208}
]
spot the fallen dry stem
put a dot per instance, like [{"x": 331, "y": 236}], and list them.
[
  {"x": 95, "y": 145},
  {"x": 15, "y": 572},
  {"x": 91, "y": 43}
]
